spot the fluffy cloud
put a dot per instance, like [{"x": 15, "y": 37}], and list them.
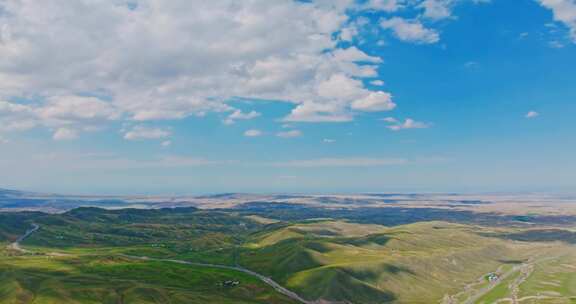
[
  {"x": 75, "y": 108},
  {"x": 375, "y": 101},
  {"x": 442, "y": 9},
  {"x": 340, "y": 87},
  {"x": 532, "y": 114},
  {"x": 239, "y": 115},
  {"x": 390, "y": 120},
  {"x": 410, "y": 30},
  {"x": 15, "y": 117},
  {"x": 253, "y": 133},
  {"x": 341, "y": 93},
  {"x": 65, "y": 134},
  {"x": 79, "y": 65},
  {"x": 143, "y": 132},
  {"x": 8, "y": 107},
  {"x": 384, "y": 5},
  {"x": 89, "y": 62},
  {"x": 62, "y": 113},
  {"x": 289, "y": 134},
  {"x": 409, "y": 123},
  {"x": 565, "y": 12},
  {"x": 348, "y": 33},
  {"x": 436, "y": 9},
  {"x": 353, "y": 54},
  {"x": 319, "y": 112}
]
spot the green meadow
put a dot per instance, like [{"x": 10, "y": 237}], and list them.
[
  {"x": 45, "y": 279},
  {"x": 90, "y": 255}
]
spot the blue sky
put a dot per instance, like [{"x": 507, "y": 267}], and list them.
[{"x": 288, "y": 96}]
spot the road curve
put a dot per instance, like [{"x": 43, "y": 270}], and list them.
[
  {"x": 279, "y": 288},
  {"x": 16, "y": 244}
]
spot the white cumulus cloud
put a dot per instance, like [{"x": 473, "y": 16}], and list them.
[
  {"x": 410, "y": 30},
  {"x": 437, "y": 9},
  {"x": 564, "y": 11},
  {"x": 239, "y": 115},
  {"x": 289, "y": 134},
  {"x": 65, "y": 134},
  {"x": 253, "y": 133},
  {"x": 142, "y": 133},
  {"x": 72, "y": 108},
  {"x": 90, "y": 62},
  {"x": 408, "y": 123},
  {"x": 385, "y": 5},
  {"x": 375, "y": 101}
]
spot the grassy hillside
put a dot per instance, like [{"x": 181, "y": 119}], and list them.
[
  {"x": 415, "y": 263},
  {"x": 186, "y": 233},
  {"x": 109, "y": 279},
  {"x": 79, "y": 257},
  {"x": 13, "y": 224}
]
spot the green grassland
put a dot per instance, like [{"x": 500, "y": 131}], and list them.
[
  {"x": 184, "y": 233},
  {"x": 82, "y": 256},
  {"x": 415, "y": 263},
  {"x": 42, "y": 279},
  {"x": 13, "y": 224},
  {"x": 549, "y": 277}
]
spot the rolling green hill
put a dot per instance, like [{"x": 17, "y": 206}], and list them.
[
  {"x": 415, "y": 263},
  {"x": 187, "y": 233},
  {"x": 89, "y": 255},
  {"x": 13, "y": 224},
  {"x": 110, "y": 279}
]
